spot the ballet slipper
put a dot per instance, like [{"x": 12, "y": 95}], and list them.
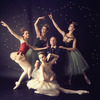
[
  {"x": 87, "y": 80},
  {"x": 80, "y": 92},
  {"x": 36, "y": 92},
  {"x": 16, "y": 85}
]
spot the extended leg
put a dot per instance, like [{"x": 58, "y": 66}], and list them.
[
  {"x": 48, "y": 92},
  {"x": 68, "y": 91},
  {"x": 86, "y": 78},
  {"x": 20, "y": 79},
  {"x": 70, "y": 79}
]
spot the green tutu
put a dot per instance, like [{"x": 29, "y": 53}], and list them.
[
  {"x": 32, "y": 55},
  {"x": 75, "y": 63}
]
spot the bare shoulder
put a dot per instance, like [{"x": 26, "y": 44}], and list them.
[{"x": 22, "y": 40}]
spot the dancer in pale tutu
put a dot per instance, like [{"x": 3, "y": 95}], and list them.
[
  {"x": 19, "y": 56},
  {"x": 75, "y": 63},
  {"x": 44, "y": 81}
]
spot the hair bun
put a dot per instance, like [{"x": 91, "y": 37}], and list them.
[
  {"x": 22, "y": 30},
  {"x": 47, "y": 26},
  {"x": 41, "y": 52},
  {"x": 74, "y": 23}
]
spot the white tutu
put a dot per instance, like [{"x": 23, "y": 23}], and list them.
[{"x": 17, "y": 56}]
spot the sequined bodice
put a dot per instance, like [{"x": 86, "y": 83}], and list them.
[{"x": 23, "y": 48}]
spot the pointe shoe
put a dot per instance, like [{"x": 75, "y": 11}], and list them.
[
  {"x": 80, "y": 92},
  {"x": 36, "y": 92},
  {"x": 89, "y": 82},
  {"x": 16, "y": 85}
]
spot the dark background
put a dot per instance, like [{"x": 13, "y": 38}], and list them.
[{"x": 23, "y": 13}]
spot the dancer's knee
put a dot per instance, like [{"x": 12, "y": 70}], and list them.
[
  {"x": 25, "y": 71},
  {"x": 56, "y": 93}
]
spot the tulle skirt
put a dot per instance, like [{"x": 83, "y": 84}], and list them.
[
  {"x": 36, "y": 83},
  {"x": 42, "y": 85},
  {"x": 17, "y": 56},
  {"x": 75, "y": 63},
  {"x": 20, "y": 59},
  {"x": 32, "y": 56}
]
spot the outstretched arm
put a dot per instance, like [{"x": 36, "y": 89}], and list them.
[
  {"x": 36, "y": 27},
  {"x": 56, "y": 26},
  {"x": 34, "y": 48},
  {"x": 73, "y": 46},
  {"x": 11, "y": 31},
  {"x": 54, "y": 59}
]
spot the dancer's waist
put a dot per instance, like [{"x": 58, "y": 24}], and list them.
[{"x": 20, "y": 52}]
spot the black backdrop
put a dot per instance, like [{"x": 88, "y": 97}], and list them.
[{"x": 19, "y": 13}]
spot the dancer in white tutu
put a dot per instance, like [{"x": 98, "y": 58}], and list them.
[
  {"x": 44, "y": 81},
  {"x": 19, "y": 56}
]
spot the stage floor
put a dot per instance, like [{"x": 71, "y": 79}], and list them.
[{"x": 23, "y": 93}]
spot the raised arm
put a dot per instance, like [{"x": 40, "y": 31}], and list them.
[
  {"x": 56, "y": 26},
  {"x": 54, "y": 59},
  {"x": 36, "y": 27},
  {"x": 11, "y": 31},
  {"x": 73, "y": 46}
]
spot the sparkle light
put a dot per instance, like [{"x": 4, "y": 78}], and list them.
[{"x": 89, "y": 17}]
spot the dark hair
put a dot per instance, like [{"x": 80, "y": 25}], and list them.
[
  {"x": 22, "y": 30},
  {"x": 47, "y": 26},
  {"x": 53, "y": 37},
  {"x": 41, "y": 52},
  {"x": 75, "y": 24}
]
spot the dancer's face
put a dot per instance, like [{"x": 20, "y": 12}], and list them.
[
  {"x": 53, "y": 41},
  {"x": 71, "y": 27},
  {"x": 26, "y": 34},
  {"x": 44, "y": 30},
  {"x": 42, "y": 58}
]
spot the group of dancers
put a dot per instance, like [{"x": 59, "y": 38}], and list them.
[{"x": 45, "y": 59}]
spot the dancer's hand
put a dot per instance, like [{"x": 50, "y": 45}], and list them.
[
  {"x": 61, "y": 47},
  {"x": 41, "y": 18},
  {"x": 3, "y": 24},
  {"x": 50, "y": 16},
  {"x": 46, "y": 47}
]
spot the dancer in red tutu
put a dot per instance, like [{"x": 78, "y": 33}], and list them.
[{"x": 19, "y": 56}]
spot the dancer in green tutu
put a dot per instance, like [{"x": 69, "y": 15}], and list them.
[
  {"x": 74, "y": 63},
  {"x": 41, "y": 41}
]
